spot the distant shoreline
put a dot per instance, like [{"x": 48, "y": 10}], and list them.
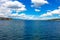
[
  {"x": 1, "y": 18},
  {"x": 56, "y": 19}
]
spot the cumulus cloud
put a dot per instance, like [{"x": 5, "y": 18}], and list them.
[
  {"x": 3, "y": 1},
  {"x": 51, "y": 13},
  {"x": 14, "y": 5},
  {"x": 37, "y": 10},
  {"x": 22, "y": 16},
  {"x": 6, "y": 7},
  {"x": 25, "y": 16},
  {"x": 38, "y": 3},
  {"x": 46, "y": 14},
  {"x": 2, "y": 15},
  {"x": 59, "y": 7},
  {"x": 4, "y": 11}
]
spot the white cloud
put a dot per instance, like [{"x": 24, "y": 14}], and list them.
[
  {"x": 38, "y": 3},
  {"x": 5, "y": 11},
  {"x": 22, "y": 16},
  {"x": 3, "y": 1},
  {"x": 2, "y": 15},
  {"x": 57, "y": 11},
  {"x": 46, "y": 14},
  {"x": 6, "y": 7},
  {"x": 51, "y": 13},
  {"x": 37, "y": 10},
  {"x": 15, "y": 5},
  {"x": 59, "y": 7},
  {"x": 25, "y": 16}
]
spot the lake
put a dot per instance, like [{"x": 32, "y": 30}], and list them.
[{"x": 29, "y": 30}]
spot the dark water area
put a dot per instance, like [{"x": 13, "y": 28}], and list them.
[{"x": 29, "y": 30}]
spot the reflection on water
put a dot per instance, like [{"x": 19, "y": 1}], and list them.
[{"x": 29, "y": 30}]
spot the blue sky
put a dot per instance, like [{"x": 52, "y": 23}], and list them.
[
  {"x": 30, "y": 9},
  {"x": 53, "y": 4}
]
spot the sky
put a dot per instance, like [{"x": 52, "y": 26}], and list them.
[{"x": 30, "y": 9}]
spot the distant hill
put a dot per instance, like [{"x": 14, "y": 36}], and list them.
[
  {"x": 2, "y": 18},
  {"x": 55, "y": 19}
]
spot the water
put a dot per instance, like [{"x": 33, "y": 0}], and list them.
[{"x": 29, "y": 30}]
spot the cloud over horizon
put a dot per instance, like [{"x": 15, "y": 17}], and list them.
[{"x": 25, "y": 10}]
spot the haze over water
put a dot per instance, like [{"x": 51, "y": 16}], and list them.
[{"x": 29, "y": 30}]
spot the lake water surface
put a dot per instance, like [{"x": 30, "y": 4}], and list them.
[{"x": 29, "y": 30}]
